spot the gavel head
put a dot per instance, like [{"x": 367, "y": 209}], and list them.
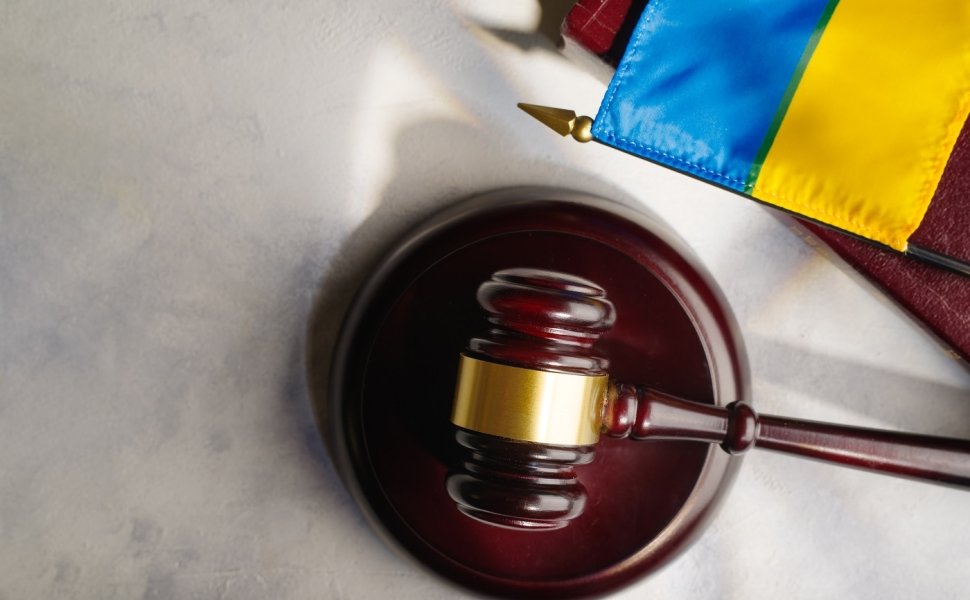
[{"x": 530, "y": 399}]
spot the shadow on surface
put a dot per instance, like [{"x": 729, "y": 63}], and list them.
[
  {"x": 901, "y": 401},
  {"x": 403, "y": 207}
]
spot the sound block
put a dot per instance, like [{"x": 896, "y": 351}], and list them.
[{"x": 394, "y": 369}]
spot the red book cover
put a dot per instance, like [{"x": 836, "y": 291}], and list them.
[{"x": 938, "y": 299}]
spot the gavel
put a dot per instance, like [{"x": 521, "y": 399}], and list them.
[{"x": 533, "y": 397}]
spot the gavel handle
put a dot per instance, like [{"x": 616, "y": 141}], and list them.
[{"x": 642, "y": 413}]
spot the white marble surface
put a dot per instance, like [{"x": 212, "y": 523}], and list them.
[{"x": 179, "y": 182}]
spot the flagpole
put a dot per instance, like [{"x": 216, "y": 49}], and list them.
[{"x": 562, "y": 120}]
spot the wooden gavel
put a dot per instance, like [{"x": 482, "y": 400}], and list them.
[{"x": 533, "y": 398}]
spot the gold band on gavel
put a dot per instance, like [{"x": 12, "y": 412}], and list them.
[{"x": 529, "y": 405}]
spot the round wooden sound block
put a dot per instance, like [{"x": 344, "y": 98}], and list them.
[{"x": 393, "y": 378}]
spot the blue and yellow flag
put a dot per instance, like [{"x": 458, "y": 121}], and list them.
[{"x": 844, "y": 111}]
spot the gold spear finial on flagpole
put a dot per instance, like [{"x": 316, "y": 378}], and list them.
[{"x": 561, "y": 120}]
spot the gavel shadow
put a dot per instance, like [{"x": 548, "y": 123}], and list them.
[
  {"x": 405, "y": 202},
  {"x": 352, "y": 264},
  {"x": 894, "y": 400},
  {"x": 410, "y": 198}
]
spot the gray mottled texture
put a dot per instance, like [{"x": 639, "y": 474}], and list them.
[{"x": 180, "y": 185}]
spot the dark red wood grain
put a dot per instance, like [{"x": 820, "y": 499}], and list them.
[
  {"x": 928, "y": 458},
  {"x": 543, "y": 320},
  {"x": 547, "y": 321},
  {"x": 518, "y": 485},
  {"x": 550, "y": 321},
  {"x": 738, "y": 428},
  {"x": 395, "y": 364}
]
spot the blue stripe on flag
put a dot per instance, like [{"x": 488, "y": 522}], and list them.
[{"x": 702, "y": 80}]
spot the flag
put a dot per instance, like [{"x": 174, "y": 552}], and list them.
[{"x": 842, "y": 111}]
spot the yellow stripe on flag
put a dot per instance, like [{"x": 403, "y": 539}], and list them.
[{"x": 864, "y": 141}]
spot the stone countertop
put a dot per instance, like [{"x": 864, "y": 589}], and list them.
[{"x": 181, "y": 183}]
